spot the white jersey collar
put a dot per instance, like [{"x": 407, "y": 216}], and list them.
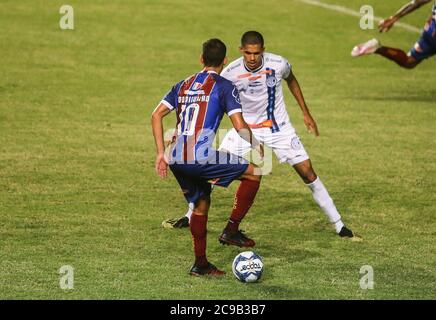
[{"x": 255, "y": 70}]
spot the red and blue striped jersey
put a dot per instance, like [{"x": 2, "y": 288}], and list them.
[{"x": 200, "y": 102}]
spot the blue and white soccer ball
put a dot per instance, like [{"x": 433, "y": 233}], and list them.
[{"x": 247, "y": 266}]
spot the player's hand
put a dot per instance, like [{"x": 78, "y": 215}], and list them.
[
  {"x": 386, "y": 24},
  {"x": 161, "y": 166},
  {"x": 311, "y": 124}
]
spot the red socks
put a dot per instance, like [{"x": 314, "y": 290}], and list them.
[
  {"x": 198, "y": 228},
  {"x": 244, "y": 198}
]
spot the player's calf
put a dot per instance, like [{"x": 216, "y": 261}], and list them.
[
  {"x": 398, "y": 56},
  {"x": 244, "y": 199}
]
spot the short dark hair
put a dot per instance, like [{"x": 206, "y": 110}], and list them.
[
  {"x": 251, "y": 37},
  {"x": 214, "y": 52}
]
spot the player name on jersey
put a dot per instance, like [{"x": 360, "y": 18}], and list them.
[{"x": 193, "y": 99}]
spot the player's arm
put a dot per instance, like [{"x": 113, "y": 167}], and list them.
[
  {"x": 386, "y": 24},
  {"x": 295, "y": 89},
  {"x": 161, "y": 164},
  {"x": 245, "y": 132}
]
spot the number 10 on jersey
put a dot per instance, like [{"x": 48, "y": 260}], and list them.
[{"x": 188, "y": 119}]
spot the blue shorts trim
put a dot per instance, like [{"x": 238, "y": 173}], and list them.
[{"x": 196, "y": 179}]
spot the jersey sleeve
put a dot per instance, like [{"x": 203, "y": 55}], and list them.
[
  {"x": 228, "y": 74},
  {"x": 286, "y": 69},
  {"x": 170, "y": 99},
  {"x": 230, "y": 99}
]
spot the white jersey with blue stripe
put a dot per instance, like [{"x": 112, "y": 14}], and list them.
[{"x": 260, "y": 90}]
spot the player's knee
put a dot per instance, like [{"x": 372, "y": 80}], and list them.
[
  {"x": 202, "y": 205},
  {"x": 257, "y": 178},
  {"x": 256, "y": 174},
  {"x": 308, "y": 175},
  {"x": 411, "y": 63},
  {"x": 253, "y": 173},
  {"x": 306, "y": 172},
  {"x": 253, "y": 177}
]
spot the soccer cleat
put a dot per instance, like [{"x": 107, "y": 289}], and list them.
[
  {"x": 237, "y": 239},
  {"x": 366, "y": 48},
  {"x": 345, "y": 232},
  {"x": 209, "y": 270},
  {"x": 182, "y": 222}
]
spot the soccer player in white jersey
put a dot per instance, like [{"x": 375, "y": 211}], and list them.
[
  {"x": 257, "y": 75},
  {"x": 424, "y": 48}
]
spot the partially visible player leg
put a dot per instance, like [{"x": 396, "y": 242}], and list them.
[
  {"x": 398, "y": 56},
  {"x": 228, "y": 168},
  {"x": 197, "y": 191},
  {"x": 231, "y": 143},
  {"x": 199, "y": 231},
  {"x": 244, "y": 199},
  {"x": 322, "y": 197},
  {"x": 182, "y": 222},
  {"x": 188, "y": 214},
  {"x": 288, "y": 148},
  {"x": 244, "y": 196},
  {"x": 423, "y": 49}
]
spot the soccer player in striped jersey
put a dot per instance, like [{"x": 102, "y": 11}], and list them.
[
  {"x": 200, "y": 102},
  {"x": 258, "y": 76},
  {"x": 424, "y": 48}
]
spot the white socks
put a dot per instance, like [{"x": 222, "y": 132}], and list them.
[
  {"x": 190, "y": 209},
  {"x": 322, "y": 198}
]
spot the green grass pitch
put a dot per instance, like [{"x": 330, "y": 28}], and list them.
[{"x": 77, "y": 180}]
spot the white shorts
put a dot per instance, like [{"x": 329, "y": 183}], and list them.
[{"x": 286, "y": 144}]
